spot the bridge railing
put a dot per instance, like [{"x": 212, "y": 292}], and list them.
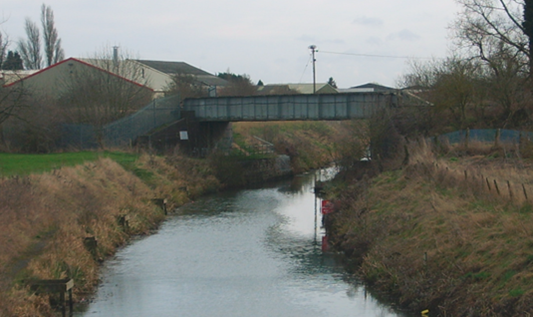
[{"x": 290, "y": 107}]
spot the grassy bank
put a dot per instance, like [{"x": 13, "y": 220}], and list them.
[
  {"x": 437, "y": 234},
  {"x": 51, "y": 203},
  {"x": 44, "y": 219},
  {"x": 25, "y": 164},
  {"x": 310, "y": 144}
]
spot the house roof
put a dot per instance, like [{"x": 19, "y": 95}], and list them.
[
  {"x": 308, "y": 88},
  {"x": 211, "y": 80},
  {"x": 375, "y": 87},
  {"x": 174, "y": 67},
  {"x": 273, "y": 89}
]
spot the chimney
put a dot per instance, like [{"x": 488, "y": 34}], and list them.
[{"x": 115, "y": 54}]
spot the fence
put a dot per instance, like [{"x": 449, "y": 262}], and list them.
[
  {"x": 124, "y": 131},
  {"x": 486, "y": 135}
]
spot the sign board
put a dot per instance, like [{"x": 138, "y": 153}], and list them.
[
  {"x": 184, "y": 135},
  {"x": 327, "y": 207}
]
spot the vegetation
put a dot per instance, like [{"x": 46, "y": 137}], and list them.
[
  {"x": 25, "y": 164},
  {"x": 239, "y": 85},
  {"x": 448, "y": 231},
  {"x": 30, "y": 49},
  {"x": 100, "y": 96},
  {"x": 51, "y": 202},
  {"x": 309, "y": 144},
  {"x": 44, "y": 218},
  {"x": 487, "y": 81},
  {"x": 187, "y": 86}
]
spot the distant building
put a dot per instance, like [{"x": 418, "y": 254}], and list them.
[
  {"x": 370, "y": 87},
  {"x": 153, "y": 75},
  {"x": 54, "y": 80},
  {"x": 10, "y": 76},
  {"x": 288, "y": 89},
  {"x": 158, "y": 75}
]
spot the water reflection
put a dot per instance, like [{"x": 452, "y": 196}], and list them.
[{"x": 243, "y": 253}]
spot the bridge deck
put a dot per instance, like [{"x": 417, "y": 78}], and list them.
[{"x": 291, "y": 107}]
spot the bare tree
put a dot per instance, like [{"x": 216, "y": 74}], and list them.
[
  {"x": 507, "y": 86},
  {"x": 112, "y": 88},
  {"x": 4, "y": 43},
  {"x": 52, "y": 43},
  {"x": 452, "y": 85},
  {"x": 488, "y": 26},
  {"x": 187, "y": 86},
  {"x": 30, "y": 49},
  {"x": 239, "y": 85},
  {"x": 11, "y": 98}
]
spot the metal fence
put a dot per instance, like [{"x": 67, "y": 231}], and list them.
[
  {"x": 486, "y": 135},
  {"x": 123, "y": 132}
]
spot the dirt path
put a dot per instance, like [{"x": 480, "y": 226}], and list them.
[{"x": 13, "y": 269}]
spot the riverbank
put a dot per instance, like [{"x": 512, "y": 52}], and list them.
[
  {"x": 45, "y": 218},
  {"x": 452, "y": 234},
  {"x": 249, "y": 252}
]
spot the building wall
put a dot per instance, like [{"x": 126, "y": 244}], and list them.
[
  {"x": 156, "y": 80},
  {"x": 55, "y": 80}
]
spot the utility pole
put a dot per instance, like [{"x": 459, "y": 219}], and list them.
[{"x": 313, "y": 50}]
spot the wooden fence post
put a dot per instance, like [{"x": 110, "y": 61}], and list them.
[
  {"x": 497, "y": 188},
  {"x": 510, "y": 191}
]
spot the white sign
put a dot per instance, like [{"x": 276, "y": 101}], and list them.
[{"x": 184, "y": 135}]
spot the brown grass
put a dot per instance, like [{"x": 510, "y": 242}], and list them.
[
  {"x": 310, "y": 144},
  {"x": 440, "y": 239},
  {"x": 45, "y": 218}
]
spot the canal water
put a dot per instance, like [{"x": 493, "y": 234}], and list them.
[{"x": 254, "y": 252}]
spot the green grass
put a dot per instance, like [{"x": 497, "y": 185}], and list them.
[{"x": 24, "y": 164}]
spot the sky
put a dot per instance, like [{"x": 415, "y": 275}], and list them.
[{"x": 267, "y": 40}]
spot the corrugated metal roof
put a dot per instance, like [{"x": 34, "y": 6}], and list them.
[
  {"x": 174, "y": 67},
  {"x": 306, "y": 88},
  {"x": 376, "y": 87},
  {"x": 296, "y": 88},
  {"x": 212, "y": 80}
]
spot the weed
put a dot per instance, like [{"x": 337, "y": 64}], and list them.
[{"x": 516, "y": 292}]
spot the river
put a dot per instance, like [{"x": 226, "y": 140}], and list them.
[{"x": 254, "y": 252}]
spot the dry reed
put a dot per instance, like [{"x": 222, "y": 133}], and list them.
[
  {"x": 438, "y": 238},
  {"x": 45, "y": 218}
]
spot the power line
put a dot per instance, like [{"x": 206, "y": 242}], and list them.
[
  {"x": 372, "y": 55},
  {"x": 305, "y": 69}
]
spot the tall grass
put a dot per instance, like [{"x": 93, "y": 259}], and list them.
[
  {"x": 44, "y": 219},
  {"x": 438, "y": 238},
  {"x": 310, "y": 144}
]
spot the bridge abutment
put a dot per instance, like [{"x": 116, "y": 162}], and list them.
[{"x": 204, "y": 137}]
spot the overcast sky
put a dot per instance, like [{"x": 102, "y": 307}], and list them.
[{"x": 267, "y": 40}]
